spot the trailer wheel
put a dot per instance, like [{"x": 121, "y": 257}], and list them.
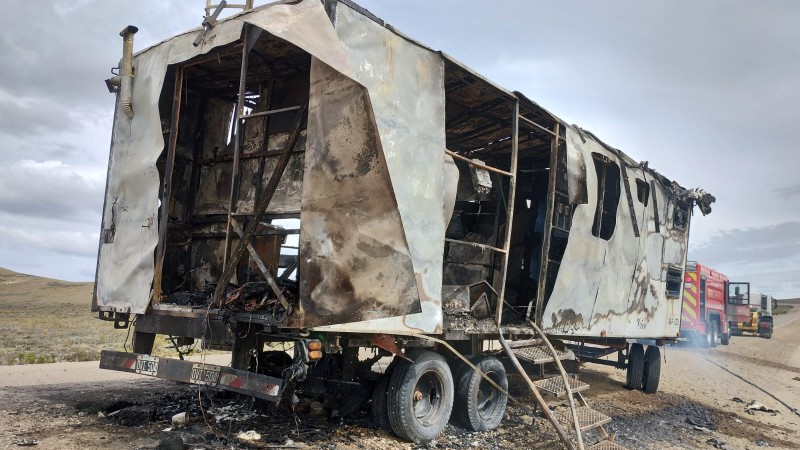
[
  {"x": 712, "y": 335},
  {"x": 478, "y": 406},
  {"x": 380, "y": 413},
  {"x": 635, "y": 367},
  {"x": 652, "y": 369},
  {"x": 725, "y": 338},
  {"x": 420, "y": 397}
]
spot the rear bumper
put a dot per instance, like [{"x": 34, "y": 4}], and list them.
[{"x": 212, "y": 375}]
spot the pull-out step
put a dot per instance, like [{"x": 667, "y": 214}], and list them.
[
  {"x": 541, "y": 355},
  {"x": 588, "y": 418},
  {"x": 555, "y": 385}
]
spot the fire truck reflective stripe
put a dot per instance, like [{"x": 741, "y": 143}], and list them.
[
  {"x": 693, "y": 275},
  {"x": 690, "y": 312},
  {"x": 689, "y": 297}
]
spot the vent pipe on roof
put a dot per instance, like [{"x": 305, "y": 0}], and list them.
[
  {"x": 126, "y": 70},
  {"x": 123, "y": 82}
]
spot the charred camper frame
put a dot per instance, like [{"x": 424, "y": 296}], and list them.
[{"x": 248, "y": 140}]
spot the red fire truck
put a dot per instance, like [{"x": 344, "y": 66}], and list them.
[{"x": 703, "y": 316}]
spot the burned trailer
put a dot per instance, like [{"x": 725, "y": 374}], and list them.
[{"x": 304, "y": 176}]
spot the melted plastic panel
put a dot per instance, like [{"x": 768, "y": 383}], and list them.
[
  {"x": 354, "y": 261},
  {"x": 617, "y": 287}
]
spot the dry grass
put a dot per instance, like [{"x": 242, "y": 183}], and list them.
[
  {"x": 782, "y": 308},
  {"x": 44, "y": 321}
]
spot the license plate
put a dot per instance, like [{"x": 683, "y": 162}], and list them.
[
  {"x": 147, "y": 365},
  {"x": 203, "y": 374}
]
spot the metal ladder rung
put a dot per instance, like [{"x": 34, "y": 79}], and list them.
[
  {"x": 472, "y": 162},
  {"x": 270, "y": 112},
  {"x": 555, "y": 385},
  {"x": 588, "y": 418}
]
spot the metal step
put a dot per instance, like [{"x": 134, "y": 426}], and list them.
[
  {"x": 555, "y": 385},
  {"x": 606, "y": 445},
  {"x": 588, "y": 418},
  {"x": 541, "y": 355}
]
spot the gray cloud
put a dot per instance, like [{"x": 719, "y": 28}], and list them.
[
  {"x": 767, "y": 244},
  {"x": 768, "y": 257},
  {"x": 37, "y": 117},
  {"x": 67, "y": 243},
  {"x": 51, "y": 190},
  {"x": 788, "y": 192}
]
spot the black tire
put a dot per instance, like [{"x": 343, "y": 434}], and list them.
[
  {"x": 725, "y": 338},
  {"x": 712, "y": 335},
  {"x": 652, "y": 369},
  {"x": 380, "y": 412},
  {"x": 479, "y": 406},
  {"x": 635, "y": 367},
  {"x": 420, "y": 397}
]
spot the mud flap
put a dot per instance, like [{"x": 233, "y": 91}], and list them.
[{"x": 212, "y": 375}]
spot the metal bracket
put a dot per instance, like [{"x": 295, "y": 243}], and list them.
[{"x": 209, "y": 22}]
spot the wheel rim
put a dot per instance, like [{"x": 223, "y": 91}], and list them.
[
  {"x": 487, "y": 394},
  {"x": 427, "y": 400}
]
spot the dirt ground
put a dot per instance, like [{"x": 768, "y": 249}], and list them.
[{"x": 701, "y": 404}]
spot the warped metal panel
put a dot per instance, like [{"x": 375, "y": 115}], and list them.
[
  {"x": 126, "y": 266},
  {"x": 406, "y": 89},
  {"x": 354, "y": 261},
  {"x": 616, "y": 287},
  {"x": 130, "y": 218}
]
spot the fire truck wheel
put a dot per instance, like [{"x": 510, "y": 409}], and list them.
[
  {"x": 652, "y": 369},
  {"x": 725, "y": 338},
  {"x": 712, "y": 335},
  {"x": 478, "y": 406},
  {"x": 420, "y": 397},
  {"x": 635, "y": 367}
]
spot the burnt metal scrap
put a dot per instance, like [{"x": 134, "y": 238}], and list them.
[{"x": 259, "y": 296}]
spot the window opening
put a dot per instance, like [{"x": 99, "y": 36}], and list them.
[
  {"x": 608, "y": 192},
  {"x": 739, "y": 293},
  {"x": 681, "y": 216},
  {"x": 642, "y": 191},
  {"x": 674, "y": 278}
]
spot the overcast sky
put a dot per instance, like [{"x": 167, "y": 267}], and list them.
[{"x": 707, "y": 92}]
